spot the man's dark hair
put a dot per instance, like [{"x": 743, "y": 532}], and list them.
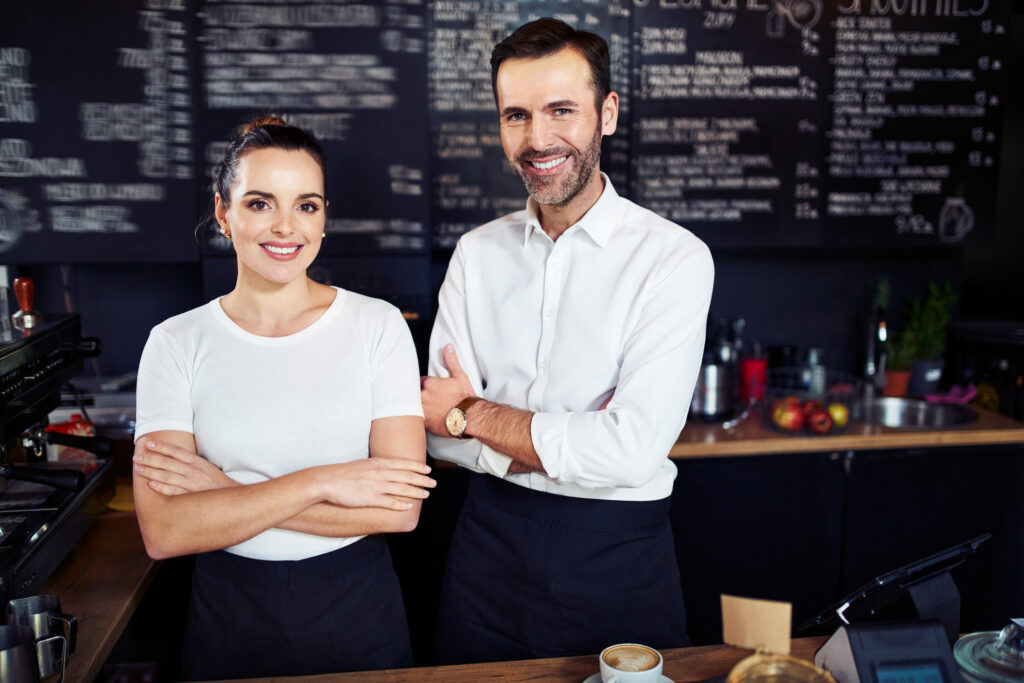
[{"x": 543, "y": 37}]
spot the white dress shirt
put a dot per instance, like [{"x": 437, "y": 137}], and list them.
[{"x": 616, "y": 307}]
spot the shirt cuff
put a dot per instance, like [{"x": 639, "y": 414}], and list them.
[
  {"x": 493, "y": 462},
  {"x": 550, "y": 435},
  {"x": 464, "y": 452}
]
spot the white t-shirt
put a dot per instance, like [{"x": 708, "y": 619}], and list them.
[{"x": 260, "y": 407}]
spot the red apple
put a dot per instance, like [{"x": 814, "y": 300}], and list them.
[
  {"x": 819, "y": 421},
  {"x": 787, "y": 415},
  {"x": 810, "y": 406}
]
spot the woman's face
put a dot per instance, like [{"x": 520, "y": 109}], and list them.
[{"x": 276, "y": 214}]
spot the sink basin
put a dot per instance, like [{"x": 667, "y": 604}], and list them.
[{"x": 910, "y": 413}]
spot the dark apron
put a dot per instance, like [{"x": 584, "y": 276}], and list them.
[
  {"x": 341, "y": 611},
  {"x": 533, "y": 574}
]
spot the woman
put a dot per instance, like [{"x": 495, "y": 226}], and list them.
[{"x": 279, "y": 428}]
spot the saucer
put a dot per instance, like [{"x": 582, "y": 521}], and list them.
[{"x": 596, "y": 678}]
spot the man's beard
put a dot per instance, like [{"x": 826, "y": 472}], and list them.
[{"x": 563, "y": 189}]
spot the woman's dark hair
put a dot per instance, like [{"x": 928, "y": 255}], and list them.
[
  {"x": 268, "y": 132},
  {"x": 543, "y": 37}
]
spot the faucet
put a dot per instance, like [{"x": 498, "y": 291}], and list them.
[{"x": 874, "y": 364}]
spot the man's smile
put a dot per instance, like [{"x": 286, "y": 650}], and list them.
[{"x": 546, "y": 165}]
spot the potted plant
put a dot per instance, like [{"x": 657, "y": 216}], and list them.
[
  {"x": 897, "y": 368},
  {"x": 923, "y": 337}
]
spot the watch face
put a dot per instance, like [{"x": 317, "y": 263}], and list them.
[{"x": 455, "y": 421}]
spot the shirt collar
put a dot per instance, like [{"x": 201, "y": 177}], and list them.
[{"x": 598, "y": 221}]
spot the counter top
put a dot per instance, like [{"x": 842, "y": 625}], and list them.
[
  {"x": 682, "y": 665},
  {"x": 101, "y": 583},
  {"x": 701, "y": 439}
]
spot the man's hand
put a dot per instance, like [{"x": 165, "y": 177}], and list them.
[
  {"x": 440, "y": 394},
  {"x": 516, "y": 467}
]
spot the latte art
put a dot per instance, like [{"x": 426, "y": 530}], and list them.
[{"x": 630, "y": 657}]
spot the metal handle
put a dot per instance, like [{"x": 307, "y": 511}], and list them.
[
  {"x": 88, "y": 347},
  {"x": 41, "y": 652},
  {"x": 71, "y": 623}
]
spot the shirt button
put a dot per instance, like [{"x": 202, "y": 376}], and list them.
[{"x": 542, "y": 365}]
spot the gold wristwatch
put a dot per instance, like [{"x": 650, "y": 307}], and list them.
[{"x": 455, "y": 420}]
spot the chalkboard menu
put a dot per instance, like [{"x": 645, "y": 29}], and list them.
[
  {"x": 355, "y": 75},
  {"x": 805, "y": 122},
  {"x": 752, "y": 122},
  {"x": 915, "y": 118},
  {"x": 96, "y": 132}
]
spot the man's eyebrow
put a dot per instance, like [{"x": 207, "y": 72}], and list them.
[
  {"x": 561, "y": 104},
  {"x": 512, "y": 110}
]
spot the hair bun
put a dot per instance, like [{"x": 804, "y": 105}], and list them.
[{"x": 269, "y": 120}]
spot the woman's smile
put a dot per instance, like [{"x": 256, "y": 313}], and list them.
[{"x": 281, "y": 252}]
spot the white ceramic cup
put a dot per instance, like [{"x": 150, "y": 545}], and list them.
[{"x": 630, "y": 663}]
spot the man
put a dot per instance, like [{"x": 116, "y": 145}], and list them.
[{"x": 563, "y": 359}]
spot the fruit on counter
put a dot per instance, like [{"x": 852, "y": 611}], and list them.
[
  {"x": 840, "y": 414},
  {"x": 809, "y": 406},
  {"x": 820, "y": 421},
  {"x": 788, "y": 414}
]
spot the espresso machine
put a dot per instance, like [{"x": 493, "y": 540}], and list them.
[{"x": 45, "y": 506}]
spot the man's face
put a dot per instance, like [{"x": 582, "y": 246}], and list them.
[{"x": 550, "y": 128}]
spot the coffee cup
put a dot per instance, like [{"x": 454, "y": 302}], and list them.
[
  {"x": 630, "y": 663},
  {"x": 55, "y": 632}
]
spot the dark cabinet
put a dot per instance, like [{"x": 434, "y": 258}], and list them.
[
  {"x": 905, "y": 505},
  {"x": 766, "y": 526},
  {"x": 809, "y": 529}
]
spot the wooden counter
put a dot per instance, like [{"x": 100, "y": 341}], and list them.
[
  {"x": 701, "y": 439},
  {"x": 681, "y": 665},
  {"x": 101, "y": 583}
]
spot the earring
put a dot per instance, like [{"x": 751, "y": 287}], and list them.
[
  {"x": 323, "y": 235},
  {"x": 224, "y": 231}
]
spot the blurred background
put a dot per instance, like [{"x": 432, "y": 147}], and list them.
[{"x": 817, "y": 146}]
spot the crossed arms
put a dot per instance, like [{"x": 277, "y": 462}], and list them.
[{"x": 187, "y": 505}]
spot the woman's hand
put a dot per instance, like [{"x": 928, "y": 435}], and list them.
[
  {"x": 379, "y": 482},
  {"x": 172, "y": 470}
]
